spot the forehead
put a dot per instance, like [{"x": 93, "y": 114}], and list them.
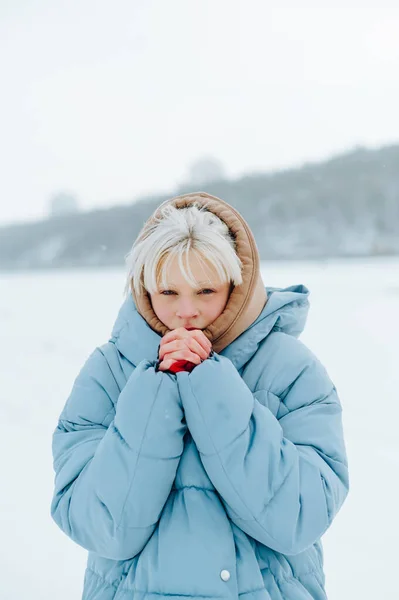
[{"x": 203, "y": 271}]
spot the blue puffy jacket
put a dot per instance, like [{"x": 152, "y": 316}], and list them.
[{"x": 217, "y": 483}]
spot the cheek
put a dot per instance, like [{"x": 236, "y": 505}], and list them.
[
  {"x": 161, "y": 308},
  {"x": 217, "y": 307},
  {"x": 165, "y": 312}
]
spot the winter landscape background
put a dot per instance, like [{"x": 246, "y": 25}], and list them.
[
  {"x": 50, "y": 322},
  {"x": 105, "y": 113}
]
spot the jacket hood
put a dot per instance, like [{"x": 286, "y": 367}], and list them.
[
  {"x": 246, "y": 301},
  {"x": 286, "y": 310}
]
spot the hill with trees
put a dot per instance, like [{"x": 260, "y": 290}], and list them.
[{"x": 343, "y": 207}]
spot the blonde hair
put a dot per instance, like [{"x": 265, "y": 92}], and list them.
[{"x": 176, "y": 232}]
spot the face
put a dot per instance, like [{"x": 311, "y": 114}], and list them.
[{"x": 180, "y": 305}]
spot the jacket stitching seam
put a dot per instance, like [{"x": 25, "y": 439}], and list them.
[
  {"x": 138, "y": 455},
  {"x": 261, "y": 589},
  {"x": 193, "y": 487},
  {"x": 109, "y": 366},
  {"x": 227, "y": 445},
  {"x": 289, "y": 578},
  {"x": 278, "y": 578},
  {"x": 116, "y": 583}
]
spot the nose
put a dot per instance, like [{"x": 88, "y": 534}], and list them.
[{"x": 186, "y": 309}]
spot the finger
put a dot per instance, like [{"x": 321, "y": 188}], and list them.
[
  {"x": 183, "y": 355},
  {"x": 196, "y": 347},
  {"x": 164, "y": 365},
  {"x": 180, "y": 344},
  {"x": 201, "y": 338},
  {"x": 172, "y": 346},
  {"x": 175, "y": 334},
  {"x": 181, "y": 333}
]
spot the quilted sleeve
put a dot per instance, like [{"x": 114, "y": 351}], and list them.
[
  {"x": 115, "y": 457},
  {"x": 281, "y": 481}
]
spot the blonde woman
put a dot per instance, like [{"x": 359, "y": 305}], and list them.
[{"x": 200, "y": 453}]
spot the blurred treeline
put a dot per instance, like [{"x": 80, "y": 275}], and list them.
[{"x": 345, "y": 206}]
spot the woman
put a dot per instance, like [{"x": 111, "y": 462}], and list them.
[{"x": 201, "y": 450}]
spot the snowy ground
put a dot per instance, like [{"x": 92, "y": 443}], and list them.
[{"x": 50, "y": 322}]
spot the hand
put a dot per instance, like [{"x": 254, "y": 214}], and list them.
[{"x": 183, "y": 345}]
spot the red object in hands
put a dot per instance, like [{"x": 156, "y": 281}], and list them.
[{"x": 181, "y": 365}]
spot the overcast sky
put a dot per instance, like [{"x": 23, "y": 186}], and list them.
[{"x": 111, "y": 100}]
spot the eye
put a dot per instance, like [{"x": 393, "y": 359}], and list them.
[{"x": 205, "y": 292}]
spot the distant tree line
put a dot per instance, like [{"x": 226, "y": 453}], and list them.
[{"x": 345, "y": 206}]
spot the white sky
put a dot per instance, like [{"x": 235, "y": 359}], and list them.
[{"x": 114, "y": 100}]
